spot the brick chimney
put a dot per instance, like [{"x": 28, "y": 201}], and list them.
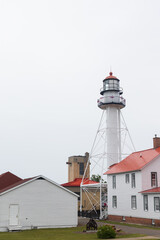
[{"x": 156, "y": 141}]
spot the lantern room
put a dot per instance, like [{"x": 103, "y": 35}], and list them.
[
  {"x": 110, "y": 83},
  {"x": 112, "y": 93}
]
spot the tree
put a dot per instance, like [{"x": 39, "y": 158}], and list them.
[{"x": 96, "y": 178}]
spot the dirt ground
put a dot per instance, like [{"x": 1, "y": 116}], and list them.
[{"x": 82, "y": 221}]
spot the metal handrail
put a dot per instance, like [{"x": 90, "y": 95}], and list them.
[
  {"x": 102, "y": 89},
  {"x": 111, "y": 99}
]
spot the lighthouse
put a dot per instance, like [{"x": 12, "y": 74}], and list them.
[
  {"x": 112, "y": 102},
  {"x": 107, "y": 149}
]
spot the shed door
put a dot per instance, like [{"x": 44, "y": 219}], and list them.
[{"x": 13, "y": 214}]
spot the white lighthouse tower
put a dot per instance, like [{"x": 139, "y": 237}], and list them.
[
  {"x": 112, "y": 101},
  {"x": 112, "y": 142}
]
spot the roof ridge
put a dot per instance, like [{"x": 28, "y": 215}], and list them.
[{"x": 144, "y": 150}]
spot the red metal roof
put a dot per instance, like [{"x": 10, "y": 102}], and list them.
[
  {"x": 15, "y": 184},
  {"x": 153, "y": 190},
  {"x": 111, "y": 76},
  {"x": 77, "y": 182},
  {"x": 7, "y": 179},
  {"x": 135, "y": 161}
]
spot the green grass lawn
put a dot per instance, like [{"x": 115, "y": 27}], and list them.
[{"x": 54, "y": 234}]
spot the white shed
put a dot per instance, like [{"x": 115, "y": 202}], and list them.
[{"x": 37, "y": 203}]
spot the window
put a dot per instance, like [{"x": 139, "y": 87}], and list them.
[
  {"x": 153, "y": 179},
  {"x": 156, "y": 204},
  {"x": 111, "y": 84},
  {"x": 127, "y": 178},
  {"x": 81, "y": 168},
  {"x": 106, "y": 86},
  {"x": 145, "y": 202},
  {"x": 133, "y": 202},
  {"x": 133, "y": 180},
  {"x": 114, "y": 181},
  {"x": 114, "y": 201}
]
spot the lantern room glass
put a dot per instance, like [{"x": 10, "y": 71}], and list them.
[{"x": 111, "y": 84}]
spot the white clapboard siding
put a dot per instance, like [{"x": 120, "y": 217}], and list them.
[{"x": 41, "y": 204}]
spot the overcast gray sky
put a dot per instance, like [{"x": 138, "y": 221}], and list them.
[{"x": 53, "y": 57}]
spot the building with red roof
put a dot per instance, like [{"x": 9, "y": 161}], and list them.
[
  {"x": 76, "y": 167},
  {"x": 135, "y": 161},
  {"x": 134, "y": 187}
]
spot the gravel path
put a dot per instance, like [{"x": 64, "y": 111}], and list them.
[{"x": 129, "y": 230}]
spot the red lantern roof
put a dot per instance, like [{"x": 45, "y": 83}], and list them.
[{"x": 111, "y": 76}]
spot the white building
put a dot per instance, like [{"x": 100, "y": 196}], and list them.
[
  {"x": 134, "y": 187},
  {"x": 35, "y": 203}
]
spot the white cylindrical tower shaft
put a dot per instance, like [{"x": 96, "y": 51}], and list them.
[
  {"x": 113, "y": 151},
  {"x": 112, "y": 101}
]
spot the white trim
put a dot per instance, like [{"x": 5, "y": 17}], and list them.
[
  {"x": 94, "y": 185},
  {"x": 123, "y": 172}
]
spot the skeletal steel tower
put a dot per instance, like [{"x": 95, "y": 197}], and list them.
[{"x": 111, "y": 144}]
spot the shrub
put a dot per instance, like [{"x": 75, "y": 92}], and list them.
[{"x": 106, "y": 232}]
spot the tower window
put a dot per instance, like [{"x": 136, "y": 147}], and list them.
[{"x": 81, "y": 168}]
